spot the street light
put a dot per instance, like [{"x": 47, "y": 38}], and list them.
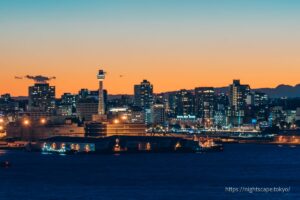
[
  {"x": 43, "y": 121},
  {"x": 1, "y": 120},
  {"x": 26, "y": 122},
  {"x": 124, "y": 117},
  {"x": 1, "y": 128},
  {"x": 116, "y": 121}
]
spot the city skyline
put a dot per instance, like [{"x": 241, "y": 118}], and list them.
[
  {"x": 173, "y": 44},
  {"x": 149, "y": 99},
  {"x": 31, "y": 82}
]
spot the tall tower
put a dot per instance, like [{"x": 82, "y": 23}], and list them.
[{"x": 101, "y": 105}]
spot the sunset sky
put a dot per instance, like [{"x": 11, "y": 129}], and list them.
[{"x": 174, "y": 44}]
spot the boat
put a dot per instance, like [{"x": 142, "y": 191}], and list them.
[{"x": 208, "y": 145}]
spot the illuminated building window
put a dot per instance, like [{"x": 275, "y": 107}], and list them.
[
  {"x": 148, "y": 146},
  {"x": 87, "y": 148}
]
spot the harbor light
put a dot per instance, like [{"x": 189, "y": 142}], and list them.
[
  {"x": 116, "y": 121},
  {"x": 124, "y": 117},
  {"x": 43, "y": 121},
  {"x": 26, "y": 122}
]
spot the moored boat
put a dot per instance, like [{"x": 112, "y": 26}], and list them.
[{"x": 208, "y": 145}]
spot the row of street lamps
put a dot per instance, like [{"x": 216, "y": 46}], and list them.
[
  {"x": 27, "y": 122},
  {"x": 118, "y": 120}
]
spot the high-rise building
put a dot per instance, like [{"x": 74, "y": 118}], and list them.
[
  {"x": 238, "y": 94},
  {"x": 66, "y": 105},
  {"x": 83, "y": 93},
  {"x": 143, "y": 95},
  {"x": 277, "y": 115},
  {"x": 257, "y": 107},
  {"x": 237, "y": 99},
  {"x": 8, "y": 104},
  {"x": 119, "y": 101},
  {"x": 260, "y": 99},
  {"x": 87, "y": 109},
  {"x": 69, "y": 99},
  {"x": 158, "y": 114},
  {"x": 220, "y": 110},
  {"x": 86, "y": 94},
  {"x": 204, "y": 103},
  {"x": 42, "y": 97},
  {"x": 184, "y": 103},
  {"x": 220, "y": 118}
]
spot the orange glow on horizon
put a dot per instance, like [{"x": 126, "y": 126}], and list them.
[
  {"x": 175, "y": 45},
  {"x": 163, "y": 81},
  {"x": 168, "y": 66}
]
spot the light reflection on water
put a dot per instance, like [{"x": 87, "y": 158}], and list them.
[
  {"x": 154, "y": 176},
  {"x": 3, "y": 152},
  {"x": 45, "y": 153},
  {"x": 50, "y": 153}
]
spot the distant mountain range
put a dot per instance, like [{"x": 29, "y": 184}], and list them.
[
  {"x": 277, "y": 92},
  {"x": 282, "y": 91}
]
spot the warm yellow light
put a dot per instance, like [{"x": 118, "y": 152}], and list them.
[
  {"x": 43, "y": 121},
  {"x": 87, "y": 148},
  {"x": 124, "y": 117},
  {"x": 26, "y": 122},
  {"x": 1, "y": 128},
  {"x": 1, "y": 120},
  {"x": 116, "y": 121}
]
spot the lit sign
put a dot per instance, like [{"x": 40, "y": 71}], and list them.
[
  {"x": 186, "y": 117},
  {"x": 118, "y": 109}
]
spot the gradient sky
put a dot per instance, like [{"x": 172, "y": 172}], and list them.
[{"x": 174, "y": 44}]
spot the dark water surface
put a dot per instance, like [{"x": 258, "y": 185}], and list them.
[{"x": 153, "y": 176}]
